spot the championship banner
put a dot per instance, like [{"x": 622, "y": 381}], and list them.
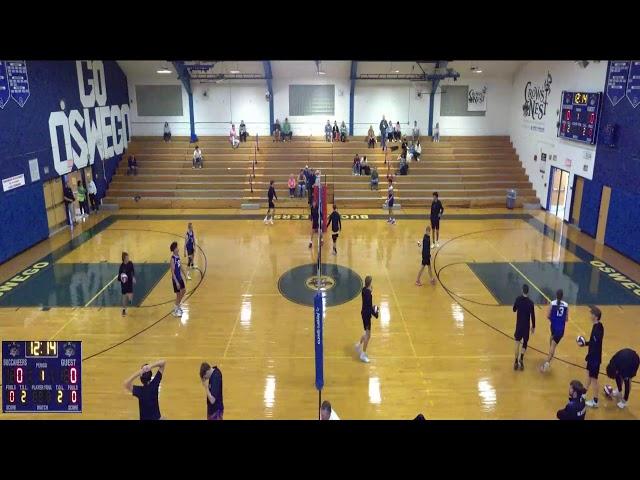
[{"x": 477, "y": 98}]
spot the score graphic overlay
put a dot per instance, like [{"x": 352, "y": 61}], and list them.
[
  {"x": 579, "y": 116},
  {"x": 41, "y": 376}
]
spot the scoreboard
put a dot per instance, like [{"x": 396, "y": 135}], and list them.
[
  {"x": 580, "y": 116},
  {"x": 41, "y": 376}
]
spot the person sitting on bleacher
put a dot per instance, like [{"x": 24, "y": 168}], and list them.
[
  {"x": 403, "y": 165},
  {"x": 374, "y": 178},
  {"x": 167, "y": 132},
  {"x": 416, "y": 131},
  {"x": 133, "y": 165},
  {"x": 277, "y": 131},
  {"x": 327, "y": 131},
  {"x": 197, "y": 157},
  {"x": 233, "y": 137},
  {"x": 286, "y": 130},
  {"x": 417, "y": 151},
  {"x": 397, "y": 133},
  {"x": 390, "y": 132},
  {"x": 371, "y": 138},
  {"x": 302, "y": 184},
  {"x": 343, "y": 132},
  {"x": 365, "y": 169},
  {"x": 243, "y": 131},
  {"x": 335, "y": 130},
  {"x": 356, "y": 165}
]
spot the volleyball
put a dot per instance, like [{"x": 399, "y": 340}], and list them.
[
  {"x": 123, "y": 278},
  {"x": 608, "y": 391},
  {"x": 581, "y": 341}
]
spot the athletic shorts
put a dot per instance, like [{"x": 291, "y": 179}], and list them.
[
  {"x": 521, "y": 334},
  {"x": 126, "y": 288},
  {"x": 179, "y": 286},
  {"x": 216, "y": 415},
  {"x": 426, "y": 261},
  {"x": 190, "y": 249},
  {"x": 593, "y": 369},
  {"x": 435, "y": 224},
  {"x": 334, "y": 236},
  {"x": 366, "y": 321},
  {"x": 390, "y": 203},
  {"x": 315, "y": 227},
  {"x": 557, "y": 336},
  {"x": 271, "y": 204}
]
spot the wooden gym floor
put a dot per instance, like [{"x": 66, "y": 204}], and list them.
[{"x": 443, "y": 350}]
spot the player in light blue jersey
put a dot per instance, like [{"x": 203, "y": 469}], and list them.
[{"x": 558, "y": 316}]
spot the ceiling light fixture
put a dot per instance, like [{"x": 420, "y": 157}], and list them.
[
  {"x": 163, "y": 70},
  {"x": 235, "y": 71}
]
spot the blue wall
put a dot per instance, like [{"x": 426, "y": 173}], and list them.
[
  {"x": 24, "y": 135},
  {"x": 619, "y": 168}
]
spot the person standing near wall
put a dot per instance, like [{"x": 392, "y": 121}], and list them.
[
  {"x": 416, "y": 131},
  {"x": 383, "y": 132},
  {"x": 327, "y": 131},
  {"x": 82, "y": 200},
  {"x": 167, "y": 132},
  {"x": 93, "y": 191},
  {"x": 243, "y": 131},
  {"x": 67, "y": 193}
]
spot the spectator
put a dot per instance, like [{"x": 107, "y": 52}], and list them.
[
  {"x": 286, "y": 130},
  {"x": 327, "y": 131},
  {"x": 343, "y": 132},
  {"x": 133, "y": 165},
  {"x": 404, "y": 146},
  {"x": 335, "y": 131},
  {"x": 371, "y": 138},
  {"x": 302, "y": 184},
  {"x": 167, "y": 132},
  {"x": 404, "y": 166},
  {"x": 67, "y": 194},
  {"x": 233, "y": 137},
  {"x": 277, "y": 131},
  {"x": 82, "y": 200},
  {"x": 576, "y": 408},
  {"x": 390, "y": 132},
  {"x": 211, "y": 378},
  {"x": 397, "y": 134},
  {"x": 147, "y": 393},
  {"x": 292, "y": 185},
  {"x": 243, "y": 131},
  {"x": 356, "y": 165},
  {"x": 197, "y": 158},
  {"x": 416, "y": 131},
  {"x": 436, "y": 133},
  {"x": 375, "y": 179},
  {"x": 383, "y": 132},
  {"x": 93, "y": 191},
  {"x": 417, "y": 151},
  {"x": 365, "y": 169},
  {"x": 327, "y": 413}
]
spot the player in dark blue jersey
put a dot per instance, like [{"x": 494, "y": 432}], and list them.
[
  {"x": 558, "y": 316},
  {"x": 176, "y": 270},
  {"x": 272, "y": 207},
  {"x": 190, "y": 248},
  {"x": 315, "y": 222},
  {"x": 525, "y": 312},
  {"x": 426, "y": 257},
  {"x": 336, "y": 225},
  {"x": 436, "y": 213},
  {"x": 575, "y": 409},
  {"x": 390, "y": 202},
  {"x": 594, "y": 355},
  {"x": 127, "y": 279}
]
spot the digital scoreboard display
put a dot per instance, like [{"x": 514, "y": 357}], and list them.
[
  {"x": 41, "y": 376},
  {"x": 580, "y": 116}
]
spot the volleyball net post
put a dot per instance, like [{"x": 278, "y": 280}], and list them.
[{"x": 320, "y": 197}]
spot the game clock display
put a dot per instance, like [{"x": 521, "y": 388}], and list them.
[
  {"x": 41, "y": 376},
  {"x": 580, "y": 115}
]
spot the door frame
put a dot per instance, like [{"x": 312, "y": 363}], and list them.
[{"x": 550, "y": 187}]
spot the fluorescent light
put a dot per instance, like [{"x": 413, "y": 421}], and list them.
[
  {"x": 396, "y": 71},
  {"x": 163, "y": 70},
  {"x": 478, "y": 71},
  {"x": 320, "y": 72},
  {"x": 234, "y": 72}
]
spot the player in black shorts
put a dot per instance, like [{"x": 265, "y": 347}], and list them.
[
  {"x": 524, "y": 309},
  {"x": 315, "y": 222},
  {"x": 272, "y": 207},
  {"x": 623, "y": 366},
  {"x": 426, "y": 257},
  {"x": 436, "y": 213},
  {"x": 368, "y": 309},
  {"x": 212, "y": 382},
  {"x": 336, "y": 226},
  {"x": 147, "y": 393},
  {"x": 177, "y": 271},
  {"x": 127, "y": 279},
  {"x": 594, "y": 355}
]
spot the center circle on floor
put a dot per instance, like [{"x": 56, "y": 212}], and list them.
[{"x": 339, "y": 284}]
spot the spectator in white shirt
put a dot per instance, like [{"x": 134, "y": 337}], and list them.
[
  {"x": 327, "y": 413},
  {"x": 416, "y": 131},
  {"x": 93, "y": 191},
  {"x": 197, "y": 157},
  {"x": 233, "y": 137}
]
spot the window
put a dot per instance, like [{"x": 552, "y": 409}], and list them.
[
  {"x": 305, "y": 100},
  {"x": 159, "y": 100},
  {"x": 453, "y": 102}
]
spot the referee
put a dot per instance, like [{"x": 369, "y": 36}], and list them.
[{"x": 336, "y": 226}]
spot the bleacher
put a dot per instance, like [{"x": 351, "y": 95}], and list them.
[{"x": 466, "y": 171}]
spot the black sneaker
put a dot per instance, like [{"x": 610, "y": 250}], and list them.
[
  {"x": 310, "y": 244},
  {"x": 124, "y": 312},
  {"x": 521, "y": 365},
  {"x": 516, "y": 365}
]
